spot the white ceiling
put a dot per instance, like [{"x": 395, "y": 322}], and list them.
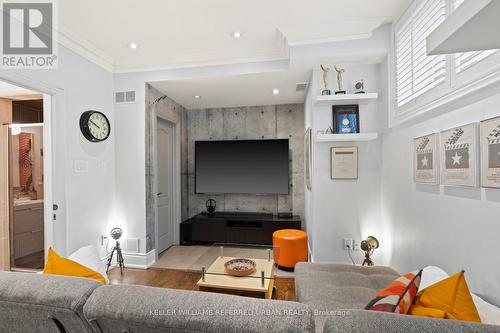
[
  {"x": 11, "y": 91},
  {"x": 249, "y": 89},
  {"x": 192, "y": 33}
]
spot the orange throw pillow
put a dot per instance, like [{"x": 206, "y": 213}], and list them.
[
  {"x": 398, "y": 296},
  {"x": 61, "y": 266},
  {"x": 451, "y": 296}
]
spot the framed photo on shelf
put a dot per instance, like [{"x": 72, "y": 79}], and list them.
[
  {"x": 308, "y": 158},
  {"x": 490, "y": 153},
  {"x": 459, "y": 156},
  {"x": 345, "y": 163},
  {"x": 425, "y": 163},
  {"x": 345, "y": 119}
]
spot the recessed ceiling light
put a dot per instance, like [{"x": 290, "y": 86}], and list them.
[
  {"x": 276, "y": 91},
  {"x": 197, "y": 96},
  {"x": 236, "y": 34},
  {"x": 133, "y": 46}
]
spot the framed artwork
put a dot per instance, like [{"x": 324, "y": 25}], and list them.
[
  {"x": 490, "y": 153},
  {"x": 345, "y": 163},
  {"x": 425, "y": 164},
  {"x": 459, "y": 156},
  {"x": 308, "y": 158},
  {"x": 345, "y": 119}
]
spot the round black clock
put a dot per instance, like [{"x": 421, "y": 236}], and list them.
[{"x": 94, "y": 126}]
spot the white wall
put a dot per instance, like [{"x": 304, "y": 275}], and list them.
[
  {"x": 451, "y": 227},
  {"x": 345, "y": 208},
  {"x": 86, "y": 200}
]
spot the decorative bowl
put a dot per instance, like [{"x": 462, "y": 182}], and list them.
[{"x": 240, "y": 267}]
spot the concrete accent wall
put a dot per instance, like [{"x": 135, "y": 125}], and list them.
[{"x": 255, "y": 122}]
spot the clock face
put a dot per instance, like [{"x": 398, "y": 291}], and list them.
[{"x": 94, "y": 126}]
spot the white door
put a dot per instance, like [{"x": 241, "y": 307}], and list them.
[{"x": 165, "y": 182}]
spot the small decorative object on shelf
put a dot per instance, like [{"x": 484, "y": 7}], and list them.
[
  {"x": 240, "y": 267},
  {"x": 369, "y": 245},
  {"x": 359, "y": 87},
  {"x": 116, "y": 234},
  {"x": 325, "y": 70},
  {"x": 211, "y": 204},
  {"x": 345, "y": 119},
  {"x": 329, "y": 130},
  {"x": 340, "y": 84}
]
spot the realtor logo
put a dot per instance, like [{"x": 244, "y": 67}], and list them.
[{"x": 28, "y": 31}]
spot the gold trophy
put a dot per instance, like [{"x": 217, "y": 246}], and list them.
[
  {"x": 340, "y": 72},
  {"x": 325, "y": 70}
]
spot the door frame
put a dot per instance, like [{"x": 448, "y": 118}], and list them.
[
  {"x": 176, "y": 190},
  {"x": 52, "y": 96}
]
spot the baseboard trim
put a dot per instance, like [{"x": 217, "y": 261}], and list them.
[{"x": 136, "y": 260}]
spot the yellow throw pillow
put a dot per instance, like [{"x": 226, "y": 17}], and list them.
[
  {"x": 416, "y": 310},
  {"x": 61, "y": 266},
  {"x": 451, "y": 296}
]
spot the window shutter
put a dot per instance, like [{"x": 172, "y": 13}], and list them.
[
  {"x": 417, "y": 73},
  {"x": 468, "y": 59},
  {"x": 404, "y": 73}
]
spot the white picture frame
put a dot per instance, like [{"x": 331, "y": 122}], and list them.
[
  {"x": 344, "y": 162},
  {"x": 459, "y": 147},
  {"x": 425, "y": 161},
  {"x": 490, "y": 152}
]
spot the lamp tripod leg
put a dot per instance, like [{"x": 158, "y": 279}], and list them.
[
  {"x": 120, "y": 260},
  {"x": 110, "y": 259}
]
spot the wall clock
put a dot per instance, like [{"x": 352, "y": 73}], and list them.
[{"x": 94, "y": 126}]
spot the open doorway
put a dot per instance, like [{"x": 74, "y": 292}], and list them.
[{"x": 22, "y": 178}]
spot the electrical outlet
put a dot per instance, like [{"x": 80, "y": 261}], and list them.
[
  {"x": 347, "y": 243},
  {"x": 356, "y": 245}
]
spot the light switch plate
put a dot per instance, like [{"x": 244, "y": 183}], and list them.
[
  {"x": 356, "y": 245},
  {"x": 347, "y": 244},
  {"x": 81, "y": 166}
]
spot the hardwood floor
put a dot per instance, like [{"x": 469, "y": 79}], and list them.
[{"x": 166, "y": 278}]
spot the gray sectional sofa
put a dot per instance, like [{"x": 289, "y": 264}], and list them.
[
  {"x": 56, "y": 304},
  {"x": 330, "y": 297},
  {"x": 338, "y": 293}
]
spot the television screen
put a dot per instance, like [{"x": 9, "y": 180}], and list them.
[{"x": 245, "y": 166}]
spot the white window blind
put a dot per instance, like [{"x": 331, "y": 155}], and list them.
[
  {"x": 417, "y": 73},
  {"x": 468, "y": 59}
]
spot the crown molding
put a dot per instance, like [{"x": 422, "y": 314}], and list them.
[
  {"x": 285, "y": 38},
  {"x": 86, "y": 49},
  {"x": 337, "y": 31}
]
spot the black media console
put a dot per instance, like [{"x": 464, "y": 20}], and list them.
[{"x": 234, "y": 227}]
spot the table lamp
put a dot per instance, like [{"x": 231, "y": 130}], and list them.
[{"x": 369, "y": 245}]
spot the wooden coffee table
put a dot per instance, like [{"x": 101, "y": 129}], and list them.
[{"x": 259, "y": 284}]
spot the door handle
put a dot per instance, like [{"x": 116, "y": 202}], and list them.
[{"x": 159, "y": 193}]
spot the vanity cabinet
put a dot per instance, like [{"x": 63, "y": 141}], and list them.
[{"x": 28, "y": 229}]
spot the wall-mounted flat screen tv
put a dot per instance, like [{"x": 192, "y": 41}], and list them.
[{"x": 242, "y": 166}]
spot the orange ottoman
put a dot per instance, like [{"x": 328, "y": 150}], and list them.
[{"x": 290, "y": 247}]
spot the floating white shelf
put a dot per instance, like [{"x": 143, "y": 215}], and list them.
[
  {"x": 345, "y": 99},
  {"x": 346, "y": 137}
]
